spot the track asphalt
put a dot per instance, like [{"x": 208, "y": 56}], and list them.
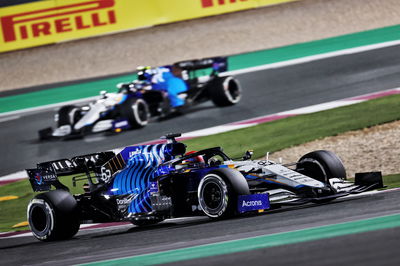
[{"x": 304, "y": 235}]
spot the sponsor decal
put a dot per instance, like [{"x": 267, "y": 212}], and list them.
[
  {"x": 133, "y": 153},
  {"x": 211, "y": 3},
  {"x": 291, "y": 175},
  {"x": 124, "y": 202},
  {"x": 40, "y": 178},
  {"x": 121, "y": 124},
  {"x": 153, "y": 187},
  {"x": 253, "y": 202},
  {"x": 58, "y": 20}
]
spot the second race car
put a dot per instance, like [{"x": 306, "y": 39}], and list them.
[{"x": 157, "y": 93}]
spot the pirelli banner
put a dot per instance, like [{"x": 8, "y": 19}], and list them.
[{"x": 52, "y": 21}]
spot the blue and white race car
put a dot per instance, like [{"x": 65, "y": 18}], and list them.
[
  {"x": 156, "y": 93},
  {"x": 147, "y": 184}
]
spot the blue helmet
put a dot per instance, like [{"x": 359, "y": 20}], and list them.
[{"x": 144, "y": 73}]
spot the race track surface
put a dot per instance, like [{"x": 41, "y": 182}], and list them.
[
  {"x": 264, "y": 92},
  {"x": 370, "y": 248}
]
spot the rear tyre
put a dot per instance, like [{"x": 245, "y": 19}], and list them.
[
  {"x": 136, "y": 111},
  {"x": 321, "y": 165},
  {"x": 218, "y": 192},
  {"x": 53, "y": 216},
  {"x": 225, "y": 91}
]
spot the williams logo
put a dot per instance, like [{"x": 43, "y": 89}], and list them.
[
  {"x": 38, "y": 179},
  {"x": 57, "y": 20}
]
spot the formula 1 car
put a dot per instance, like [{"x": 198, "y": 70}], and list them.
[
  {"x": 150, "y": 183},
  {"x": 138, "y": 101}
]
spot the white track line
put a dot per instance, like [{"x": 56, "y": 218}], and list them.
[
  {"x": 48, "y": 106},
  {"x": 5, "y": 119},
  {"x": 313, "y": 58}
]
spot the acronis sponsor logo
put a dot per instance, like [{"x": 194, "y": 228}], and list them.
[{"x": 253, "y": 202}]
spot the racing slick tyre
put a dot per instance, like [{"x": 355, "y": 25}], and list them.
[
  {"x": 67, "y": 115},
  {"x": 225, "y": 91},
  {"x": 321, "y": 165},
  {"x": 136, "y": 111},
  {"x": 218, "y": 192},
  {"x": 53, "y": 215}
]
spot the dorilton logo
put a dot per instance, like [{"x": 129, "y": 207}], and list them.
[
  {"x": 123, "y": 201},
  {"x": 211, "y": 3},
  {"x": 58, "y": 20},
  {"x": 251, "y": 203}
]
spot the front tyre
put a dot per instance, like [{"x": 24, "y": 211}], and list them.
[
  {"x": 53, "y": 216},
  {"x": 321, "y": 165},
  {"x": 136, "y": 111},
  {"x": 225, "y": 91},
  {"x": 68, "y": 115},
  {"x": 218, "y": 192}
]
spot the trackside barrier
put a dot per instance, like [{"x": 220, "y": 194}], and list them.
[{"x": 52, "y": 21}]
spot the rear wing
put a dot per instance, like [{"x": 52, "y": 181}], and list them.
[
  {"x": 218, "y": 64},
  {"x": 46, "y": 174}
]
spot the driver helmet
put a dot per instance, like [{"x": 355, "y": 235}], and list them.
[
  {"x": 195, "y": 159},
  {"x": 144, "y": 73}
]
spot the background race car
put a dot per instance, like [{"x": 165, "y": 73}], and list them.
[
  {"x": 158, "y": 92},
  {"x": 147, "y": 184}
]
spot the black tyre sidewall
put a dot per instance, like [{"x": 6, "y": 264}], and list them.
[
  {"x": 131, "y": 110},
  {"x": 220, "y": 91},
  {"x": 40, "y": 205},
  {"x": 61, "y": 212},
  {"x": 224, "y": 206},
  {"x": 64, "y": 115},
  {"x": 329, "y": 161}
]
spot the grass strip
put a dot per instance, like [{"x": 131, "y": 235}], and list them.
[{"x": 281, "y": 134}]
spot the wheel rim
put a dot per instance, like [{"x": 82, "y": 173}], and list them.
[
  {"x": 213, "y": 196},
  {"x": 232, "y": 90},
  {"x": 39, "y": 219},
  {"x": 140, "y": 112}
]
